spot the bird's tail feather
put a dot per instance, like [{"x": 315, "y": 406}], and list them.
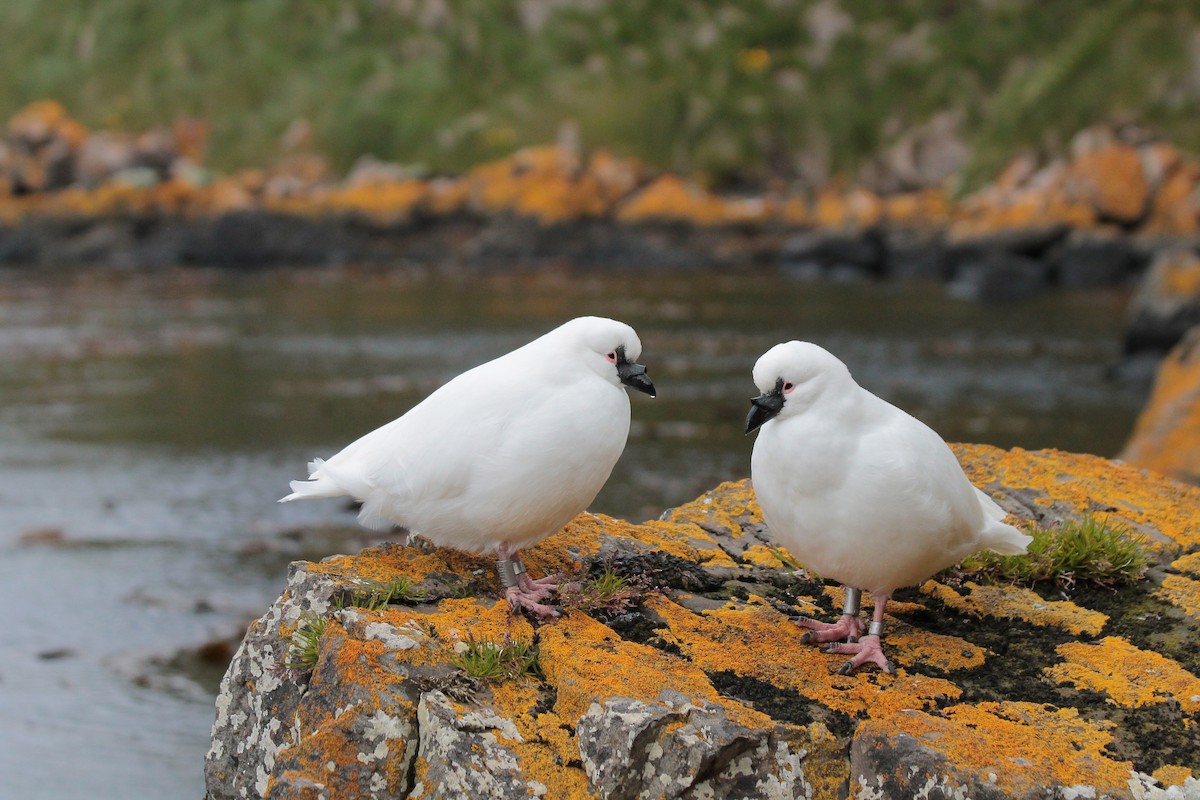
[
  {"x": 319, "y": 484},
  {"x": 1005, "y": 539}
]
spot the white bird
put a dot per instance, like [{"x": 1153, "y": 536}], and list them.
[
  {"x": 503, "y": 455},
  {"x": 859, "y": 491}
]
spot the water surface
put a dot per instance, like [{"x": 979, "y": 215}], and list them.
[{"x": 150, "y": 421}]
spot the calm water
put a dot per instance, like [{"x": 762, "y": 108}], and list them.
[{"x": 150, "y": 421}]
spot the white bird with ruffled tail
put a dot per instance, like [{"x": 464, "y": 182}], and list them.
[
  {"x": 503, "y": 455},
  {"x": 859, "y": 491}
]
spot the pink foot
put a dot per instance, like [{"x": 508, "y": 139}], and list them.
[
  {"x": 518, "y": 598},
  {"x": 846, "y": 629},
  {"x": 867, "y": 651},
  {"x": 541, "y": 586}
]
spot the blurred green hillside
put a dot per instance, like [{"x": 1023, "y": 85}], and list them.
[{"x": 727, "y": 91}]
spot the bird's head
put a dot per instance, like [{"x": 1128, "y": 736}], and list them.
[
  {"x": 791, "y": 377},
  {"x": 611, "y": 349}
]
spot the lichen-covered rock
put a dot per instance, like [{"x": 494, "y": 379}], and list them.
[
  {"x": 1167, "y": 301},
  {"x": 699, "y": 685},
  {"x": 1166, "y": 437}
]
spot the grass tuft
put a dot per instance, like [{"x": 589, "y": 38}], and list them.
[
  {"x": 606, "y": 594},
  {"x": 494, "y": 661},
  {"x": 306, "y": 643},
  {"x": 377, "y": 595},
  {"x": 1084, "y": 551}
]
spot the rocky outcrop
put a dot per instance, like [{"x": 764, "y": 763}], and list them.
[
  {"x": 69, "y": 195},
  {"x": 697, "y": 684},
  {"x": 1166, "y": 437},
  {"x": 1167, "y": 302}
]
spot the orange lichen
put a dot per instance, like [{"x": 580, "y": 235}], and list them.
[
  {"x": 1189, "y": 563},
  {"x": 1165, "y": 435},
  {"x": 545, "y": 750},
  {"x": 1129, "y": 676},
  {"x": 1092, "y": 485},
  {"x": 673, "y": 198},
  {"x": 1171, "y": 775},
  {"x": 763, "y": 556},
  {"x": 1014, "y": 602},
  {"x": 759, "y": 642},
  {"x": 587, "y": 663},
  {"x": 381, "y": 202},
  {"x": 1112, "y": 179},
  {"x": 1181, "y": 592},
  {"x": 1020, "y": 748}
]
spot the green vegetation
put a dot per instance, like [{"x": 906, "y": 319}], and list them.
[
  {"x": 1087, "y": 551},
  {"x": 306, "y": 643},
  {"x": 369, "y": 595},
  {"x": 608, "y": 593},
  {"x": 495, "y": 661},
  {"x": 376, "y": 595},
  {"x": 727, "y": 91}
]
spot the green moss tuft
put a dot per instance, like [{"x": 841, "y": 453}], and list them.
[
  {"x": 1085, "y": 551},
  {"x": 306, "y": 643},
  {"x": 494, "y": 661}
]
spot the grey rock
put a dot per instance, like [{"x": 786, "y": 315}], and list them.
[
  {"x": 463, "y": 754},
  {"x": 1158, "y": 314},
  {"x": 1088, "y": 260},
  {"x": 999, "y": 276},
  {"x": 633, "y": 750}
]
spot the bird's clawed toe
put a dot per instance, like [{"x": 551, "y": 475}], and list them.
[
  {"x": 867, "y": 651},
  {"x": 530, "y": 601},
  {"x": 848, "y": 628}
]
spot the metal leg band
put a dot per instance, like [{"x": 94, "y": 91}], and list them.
[
  {"x": 853, "y": 602},
  {"x": 505, "y": 568},
  {"x": 518, "y": 567},
  {"x": 875, "y": 629}
]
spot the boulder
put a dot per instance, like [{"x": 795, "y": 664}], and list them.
[
  {"x": 694, "y": 683},
  {"x": 1166, "y": 303},
  {"x": 1166, "y": 436}
]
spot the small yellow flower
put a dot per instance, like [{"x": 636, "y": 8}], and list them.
[{"x": 755, "y": 59}]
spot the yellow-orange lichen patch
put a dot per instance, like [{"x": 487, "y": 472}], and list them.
[
  {"x": 763, "y": 556},
  {"x": 1181, "y": 592},
  {"x": 329, "y": 737},
  {"x": 759, "y": 642},
  {"x": 1165, "y": 437},
  {"x": 1014, "y": 602},
  {"x": 390, "y": 562},
  {"x": 1024, "y": 747},
  {"x": 1189, "y": 563},
  {"x": 382, "y": 202},
  {"x": 1129, "y": 676},
  {"x": 672, "y": 198},
  {"x": 545, "y": 749},
  {"x": 1172, "y": 775},
  {"x": 1143, "y": 500},
  {"x": 587, "y": 663},
  {"x": 457, "y": 620},
  {"x": 723, "y": 507}
]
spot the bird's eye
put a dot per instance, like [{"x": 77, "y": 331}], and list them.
[
  {"x": 612, "y": 356},
  {"x": 787, "y": 387}
]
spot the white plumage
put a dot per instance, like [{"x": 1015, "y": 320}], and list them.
[
  {"x": 858, "y": 490},
  {"x": 503, "y": 455}
]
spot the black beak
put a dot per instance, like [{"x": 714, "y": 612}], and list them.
[
  {"x": 633, "y": 374},
  {"x": 764, "y": 407}
]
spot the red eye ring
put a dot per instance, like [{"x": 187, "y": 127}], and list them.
[
  {"x": 611, "y": 356},
  {"x": 787, "y": 387}
]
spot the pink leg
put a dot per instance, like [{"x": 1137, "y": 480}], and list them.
[
  {"x": 848, "y": 628},
  {"x": 526, "y": 593},
  {"x": 869, "y": 650}
]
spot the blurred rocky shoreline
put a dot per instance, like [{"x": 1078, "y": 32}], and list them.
[{"x": 1123, "y": 210}]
